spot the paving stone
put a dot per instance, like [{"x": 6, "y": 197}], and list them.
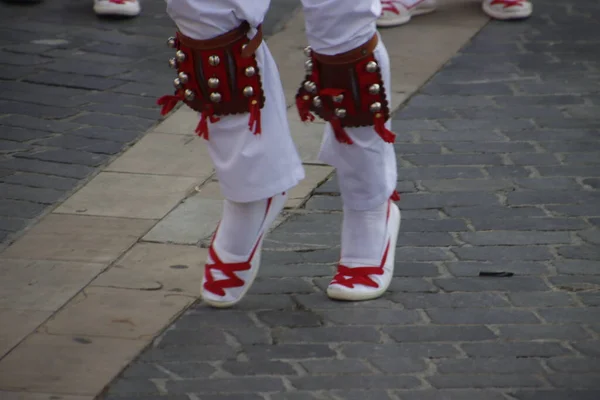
[
  {"x": 574, "y": 364},
  {"x": 542, "y": 332},
  {"x": 289, "y": 351},
  {"x": 579, "y": 267},
  {"x": 399, "y": 350},
  {"x": 485, "y": 381},
  {"x": 294, "y": 319},
  {"x": 428, "y": 225},
  {"x": 589, "y": 348},
  {"x": 351, "y": 366},
  {"x": 34, "y": 195},
  {"x": 258, "y": 368},
  {"x": 363, "y": 382},
  {"x": 450, "y": 300},
  {"x": 371, "y": 316},
  {"x": 556, "y": 394},
  {"x": 473, "y": 269},
  {"x": 246, "y": 385},
  {"x": 529, "y": 224},
  {"x": 440, "y": 334},
  {"x": 494, "y": 212},
  {"x": 469, "y": 316},
  {"x": 399, "y": 365},
  {"x": 584, "y": 252},
  {"x": 504, "y": 365},
  {"x": 453, "y": 394},
  {"x": 541, "y": 299},
  {"x": 40, "y": 181},
  {"x": 515, "y": 349},
  {"x": 590, "y": 299},
  {"x": 579, "y": 381},
  {"x": 419, "y": 269},
  {"x": 515, "y": 238},
  {"x": 505, "y": 253}
]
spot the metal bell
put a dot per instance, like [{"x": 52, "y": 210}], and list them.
[
  {"x": 173, "y": 63},
  {"x": 250, "y": 72},
  {"x": 374, "y": 89},
  {"x": 338, "y": 99},
  {"x": 172, "y": 42},
  {"x": 213, "y": 83},
  {"x": 177, "y": 83},
  {"x": 308, "y": 65},
  {"x": 310, "y": 87},
  {"x": 180, "y": 56},
  {"x": 248, "y": 91},
  {"x": 183, "y": 77},
  {"x": 340, "y": 112},
  {"x": 308, "y": 51},
  {"x": 317, "y": 102},
  {"x": 375, "y": 107},
  {"x": 372, "y": 66},
  {"x": 189, "y": 95},
  {"x": 214, "y": 60},
  {"x": 215, "y": 97}
]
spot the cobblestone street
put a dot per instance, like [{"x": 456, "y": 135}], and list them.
[
  {"x": 499, "y": 166},
  {"x": 75, "y": 91}
]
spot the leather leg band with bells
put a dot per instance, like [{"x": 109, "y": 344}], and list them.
[
  {"x": 217, "y": 77},
  {"x": 346, "y": 90}
]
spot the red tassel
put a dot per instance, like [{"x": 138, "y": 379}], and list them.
[
  {"x": 387, "y": 135},
  {"x": 395, "y": 196},
  {"x": 303, "y": 107},
  {"x": 254, "y": 122},
  {"x": 168, "y": 103},
  {"x": 340, "y": 133},
  {"x": 202, "y": 127}
]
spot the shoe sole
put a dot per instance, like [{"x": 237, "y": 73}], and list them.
[
  {"x": 117, "y": 11},
  {"x": 398, "y": 22},
  {"x": 356, "y": 296},
  {"x": 505, "y": 16}
]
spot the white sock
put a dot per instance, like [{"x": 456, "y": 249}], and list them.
[
  {"x": 363, "y": 236},
  {"x": 239, "y": 227}
]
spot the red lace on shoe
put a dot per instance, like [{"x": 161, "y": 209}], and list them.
[
  {"x": 508, "y": 3},
  {"x": 228, "y": 269},
  {"x": 349, "y": 277},
  {"x": 388, "y": 5}
]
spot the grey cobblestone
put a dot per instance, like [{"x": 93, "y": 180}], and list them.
[{"x": 498, "y": 173}]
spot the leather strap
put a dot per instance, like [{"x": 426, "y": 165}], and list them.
[
  {"x": 351, "y": 56},
  {"x": 225, "y": 40}
]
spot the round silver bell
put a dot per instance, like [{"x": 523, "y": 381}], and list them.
[
  {"x": 317, "y": 102},
  {"x": 372, "y": 66},
  {"x": 374, "y": 89},
  {"x": 172, "y": 42},
  {"x": 189, "y": 95},
  {"x": 180, "y": 56},
  {"x": 338, "y": 99},
  {"x": 216, "y": 97},
  {"x": 308, "y": 51},
  {"x": 173, "y": 63},
  {"x": 248, "y": 91},
  {"x": 213, "y": 83},
  {"x": 244, "y": 47},
  {"x": 310, "y": 87},
  {"x": 177, "y": 83},
  {"x": 375, "y": 107},
  {"x": 308, "y": 66},
  {"x": 250, "y": 72},
  {"x": 340, "y": 113},
  {"x": 183, "y": 77},
  {"x": 214, "y": 60}
]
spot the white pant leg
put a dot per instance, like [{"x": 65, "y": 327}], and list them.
[
  {"x": 366, "y": 170},
  {"x": 249, "y": 167}
]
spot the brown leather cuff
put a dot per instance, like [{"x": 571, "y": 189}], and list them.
[
  {"x": 351, "y": 56},
  {"x": 225, "y": 40}
]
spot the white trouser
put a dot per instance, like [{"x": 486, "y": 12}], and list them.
[{"x": 251, "y": 167}]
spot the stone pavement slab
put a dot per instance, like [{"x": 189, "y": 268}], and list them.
[{"x": 498, "y": 174}]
